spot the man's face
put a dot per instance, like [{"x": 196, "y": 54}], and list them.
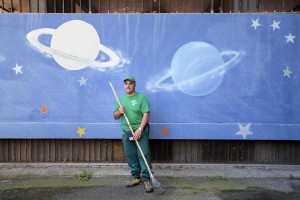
[{"x": 129, "y": 86}]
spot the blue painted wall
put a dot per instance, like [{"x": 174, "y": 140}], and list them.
[{"x": 207, "y": 76}]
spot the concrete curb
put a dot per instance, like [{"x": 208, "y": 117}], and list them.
[{"x": 13, "y": 170}]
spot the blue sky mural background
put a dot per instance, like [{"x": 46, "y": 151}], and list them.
[{"x": 256, "y": 99}]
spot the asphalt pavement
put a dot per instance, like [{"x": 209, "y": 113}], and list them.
[
  {"x": 112, "y": 188},
  {"x": 178, "y": 181}
]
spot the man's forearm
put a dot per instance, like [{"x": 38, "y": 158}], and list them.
[{"x": 145, "y": 120}]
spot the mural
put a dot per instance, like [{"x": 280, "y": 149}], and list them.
[{"x": 207, "y": 76}]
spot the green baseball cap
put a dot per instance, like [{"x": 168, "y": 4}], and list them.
[{"x": 129, "y": 78}]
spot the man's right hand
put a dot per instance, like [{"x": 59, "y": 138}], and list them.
[
  {"x": 122, "y": 110},
  {"x": 119, "y": 113}
]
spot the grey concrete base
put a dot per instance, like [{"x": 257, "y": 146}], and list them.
[{"x": 9, "y": 170}]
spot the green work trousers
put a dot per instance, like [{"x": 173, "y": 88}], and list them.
[{"x": 134, "y": 157}]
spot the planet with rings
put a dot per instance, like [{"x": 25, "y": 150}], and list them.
[
  {"x": 74, "y": 45},
  {"x": 197, "y": 69}
]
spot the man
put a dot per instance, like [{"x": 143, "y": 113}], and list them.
[{"x": 137, "y": 109}]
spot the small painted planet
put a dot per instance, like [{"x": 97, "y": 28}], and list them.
[
  {"x": 74, "y": 46},
  {"x": 197, "y": 69}
]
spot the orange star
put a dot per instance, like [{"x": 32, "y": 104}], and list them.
[
  {"x": 164, "y": 131},
  {"x": 80, "y": 131},
  {"x": 44, "y": 109}
]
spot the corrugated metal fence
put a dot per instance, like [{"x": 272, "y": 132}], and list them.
[
  {"x": 166, "y": 151},
  {"x": 170, "y": 151}
]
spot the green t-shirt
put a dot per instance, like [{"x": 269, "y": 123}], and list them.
[{"x": 135, "y": 107}]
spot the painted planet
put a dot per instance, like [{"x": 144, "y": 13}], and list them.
[
  {"x": 198, "y": 68},
  {"x": 74, "y": 45},
  {"x": 191, "y": 65}
]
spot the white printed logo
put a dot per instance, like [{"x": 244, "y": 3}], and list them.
[{"x": 133, "y": 102}]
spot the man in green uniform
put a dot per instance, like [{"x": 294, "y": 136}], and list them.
[{"x": 137, "y": 109}]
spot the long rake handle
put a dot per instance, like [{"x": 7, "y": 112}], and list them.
[{"x": 137, "y": 143}]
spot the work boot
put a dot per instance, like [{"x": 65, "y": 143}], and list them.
[
  {"x": 148, "y": 186},
  {"x": 133, "y": 182}
]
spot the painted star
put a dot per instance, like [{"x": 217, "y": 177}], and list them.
[
  {"x": 255, "y": 23},
  {"x": 244, "y": 131},
  {"x": 80, "y": 131},
  {"x": 44, "y": 109},
  {"x": 18, "y": 69},
  {"x": 164, "y": 131},
  {"x": 82, "y": 81},
  {"x": 287, "y": 72},
  {"x": 275, "y": 25},
  {"x": 290, "y": 38}
]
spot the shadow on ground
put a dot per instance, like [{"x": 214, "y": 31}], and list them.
[{"x": 258, "y": 194}]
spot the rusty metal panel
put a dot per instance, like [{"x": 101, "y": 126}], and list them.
[{"x": 147, "y": 6}]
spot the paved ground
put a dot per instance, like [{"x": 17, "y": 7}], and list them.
[
  {"x": 112, "y": 188},
  {"x": 178, "y": 181}
]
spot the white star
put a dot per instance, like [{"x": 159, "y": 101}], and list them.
[
  {"x": 18, "y": 69},
  {"x": 244, "y": 131},
  {"x": 287, "y": 72},
  {"x": 82, "y": 81},
  {"x": 275, "y": 25},
  {"x": 255, "y": 23},
  {"x": 290, "y": 38}
]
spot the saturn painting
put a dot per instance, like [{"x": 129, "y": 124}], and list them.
[
  {"x": 74, "y": 45},
  {"x": 197, "y": 69}
]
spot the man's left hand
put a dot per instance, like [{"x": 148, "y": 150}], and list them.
[{"x": 137, "y": 134}]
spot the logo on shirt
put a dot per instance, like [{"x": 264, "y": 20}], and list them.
[{"x": 133, "y": 102}]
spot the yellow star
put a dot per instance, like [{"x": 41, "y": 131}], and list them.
[{"x": 80, "y": 131}]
